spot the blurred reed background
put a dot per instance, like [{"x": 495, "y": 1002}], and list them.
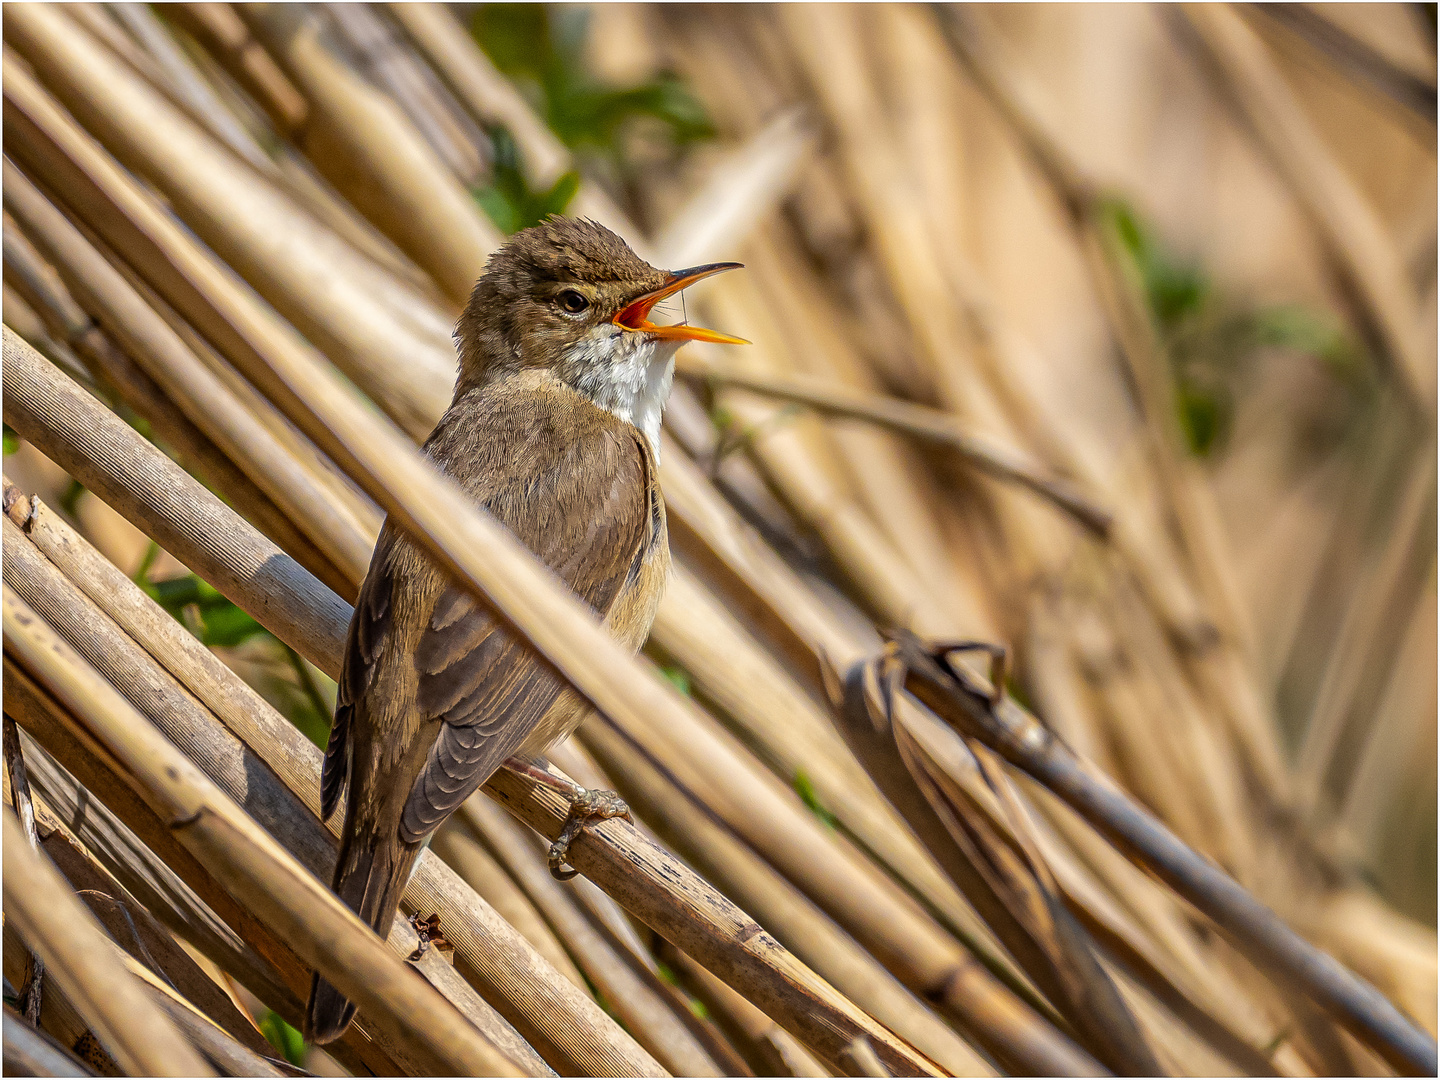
[{"x": 1103, "y": 332}]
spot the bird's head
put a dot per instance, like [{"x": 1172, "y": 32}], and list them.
[{"x": 570, "y": 296}]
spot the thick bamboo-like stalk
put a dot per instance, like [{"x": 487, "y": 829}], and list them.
[
  {"x": 77, "y": 955},
  {"x": 205, "y": 401},
  {"x": 980, "y": 810},
  {"x": 643, "y": 1012},
  {"x": 1346, "y": 222},
  {"x": 917, "y": 421},
  {"x": 31, "y": 1052},
  {"x": 59, "y": 1017},
  {"x": 99, "y": 450},
  {"x": 773, "y": 1051},
  {"x": 251, "y": 863},
  {"x": 141, "y": 849},
  {"x": 1022, "y": 741},
  {"x": 109, "y": 365},
  {"x": 356, "y": 310},
  {"x": 367, "y": 147}
]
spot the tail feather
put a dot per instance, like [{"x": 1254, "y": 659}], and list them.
[{"x": 369, "y": 879}]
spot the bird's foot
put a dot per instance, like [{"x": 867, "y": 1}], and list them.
[
  {"x": 429, "y": 933},
  {"x": 588, "y": 807}
]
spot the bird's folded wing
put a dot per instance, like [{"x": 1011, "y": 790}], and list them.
[{"x": 586, "y": 514}]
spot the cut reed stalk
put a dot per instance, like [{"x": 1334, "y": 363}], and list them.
[
  {"x": 77, "y": 955},
  {"x": 916, "y": 421},
  {"x": 202, "y": 398},
  {"x": 362, "y": 142},
  {"x": 1020, "y": 739}
]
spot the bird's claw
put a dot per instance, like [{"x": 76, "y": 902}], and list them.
[
  {"x": 429, "y": 933},
  {"x": 588, "y": 807}
]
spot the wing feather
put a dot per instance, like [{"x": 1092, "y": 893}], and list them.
[
  {"x": 489, "y": 690},
  {"x": 369, "y": 626}
]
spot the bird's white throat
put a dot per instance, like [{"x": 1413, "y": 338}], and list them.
[{"x": 626, "y": 373}]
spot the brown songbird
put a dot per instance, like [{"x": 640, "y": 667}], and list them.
[{"x": 554, "y": 429}]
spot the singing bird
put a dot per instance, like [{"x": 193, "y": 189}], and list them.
[{"x": 554, "y": 429}]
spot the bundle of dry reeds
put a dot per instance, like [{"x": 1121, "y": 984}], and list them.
[{"x": 1046, "y": 681}]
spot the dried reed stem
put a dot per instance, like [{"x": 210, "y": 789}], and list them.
[{"x": 78, "y": 957}]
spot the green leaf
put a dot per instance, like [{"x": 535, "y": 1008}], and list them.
[
  {"x": 12, "y": 441},
  {"x": 542, "y": 48},
  {"x": 1202, "y": 418},
  {"x": 220, "y": 621},
  {"x": 679, "y": 677},
  {"x": 805, "y": 788},
  {"x": 283, "y": 1037},
  {"x": 226, "y": 624},
  {"x": 70, "y": 497}
]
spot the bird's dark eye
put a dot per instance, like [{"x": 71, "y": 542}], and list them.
[{"x": 572, "y": 301}]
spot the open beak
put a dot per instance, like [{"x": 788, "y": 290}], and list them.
[{"x": 635, "y": 315}]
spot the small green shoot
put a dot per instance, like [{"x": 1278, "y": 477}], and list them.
[
  {"x": 678, "y": 677},
  {"x": 283, "y": 1037},
  {"x": 542, "y": 48},
  {"x": 805, "y": 788},
  {"x": 1210, "y": 337},
  {"x": 509, "y": 200}
]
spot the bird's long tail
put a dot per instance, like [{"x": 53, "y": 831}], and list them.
[{"x": 370, "y": 878}]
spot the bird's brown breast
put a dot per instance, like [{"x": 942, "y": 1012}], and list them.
[{"x": 438, "y": 692}]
